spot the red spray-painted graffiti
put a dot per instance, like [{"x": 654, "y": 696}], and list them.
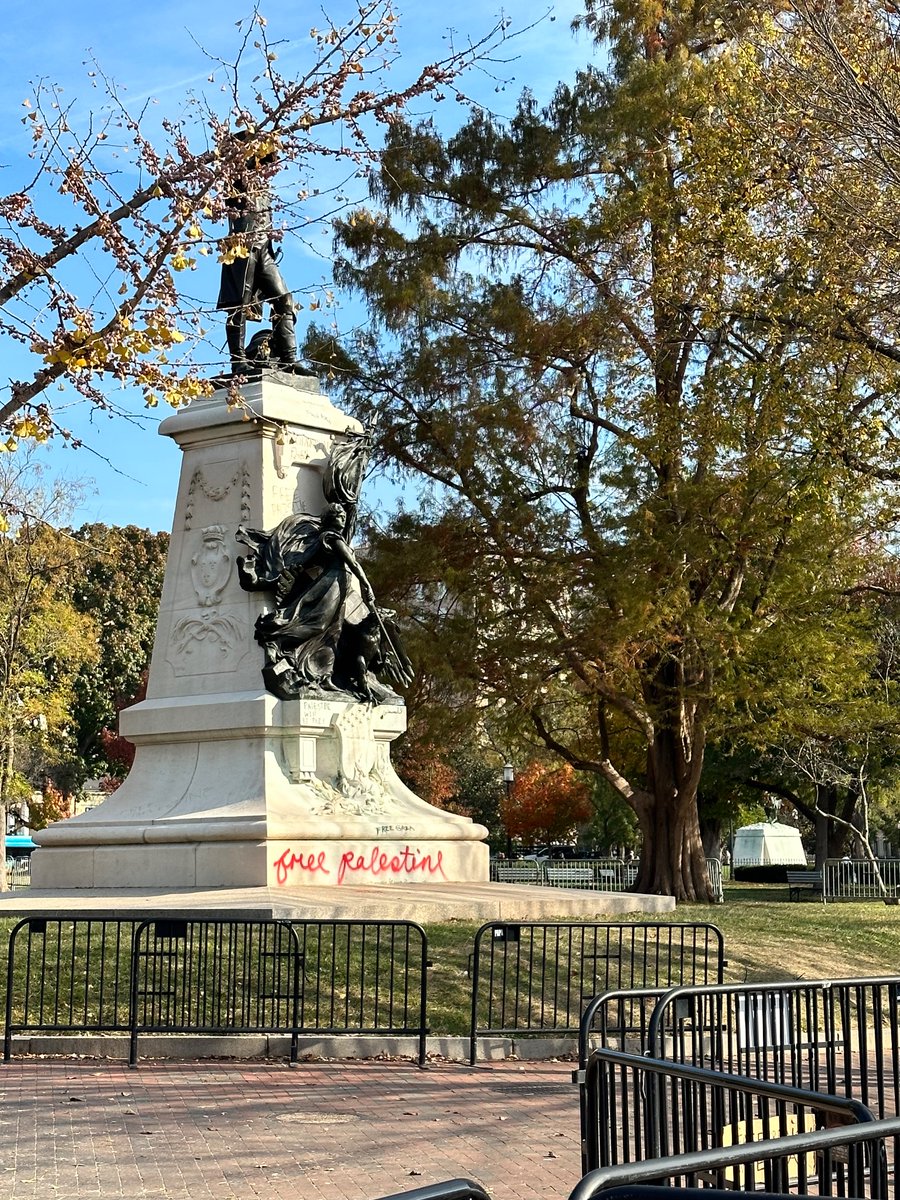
[
  {"x": 312, "y": 863},
  {"x": 377, "y": 862},
  {"x": 353, "y": 865}
]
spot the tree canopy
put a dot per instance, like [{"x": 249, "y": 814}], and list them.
[
  {"x": 44, "y": 640},
  {"x": 119, "y": 585},
  {"x": 635, "y": 361}
]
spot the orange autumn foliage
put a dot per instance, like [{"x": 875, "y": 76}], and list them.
[
  {"x": 546, "y": 804},
  {"x": 427, "y": 774}
]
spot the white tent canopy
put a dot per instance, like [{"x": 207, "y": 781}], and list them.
[{"x": 768, "y": 843}]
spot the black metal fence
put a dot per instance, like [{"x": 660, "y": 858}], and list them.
[
  {"x": 634, "y": 1108},
  {"x": 845, "y": 1161},
  {"x": 452, "y": 1189},
  {"x": 198, "y": 975},
  {"x": 364, "y": 977},
  {"x": 530, "y": 979},
  {"x": 65, "y": 975},
  {"x": 190, "y": 976},
  {"x": 618, "y": 1019},
  {"x": 850, "y": 1160},
  {"x": 840, "y": 1036}
]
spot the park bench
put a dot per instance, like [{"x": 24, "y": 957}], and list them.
[
  {"x": 570, "y": 876},
  {"x": 803, "y": 881},
  {"x": 519, "y": 873}
]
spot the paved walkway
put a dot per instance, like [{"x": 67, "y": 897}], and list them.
[{"x": 74, "y": 1129}]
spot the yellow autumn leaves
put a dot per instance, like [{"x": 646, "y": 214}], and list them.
[
  {"x": 232, "y": 249},
  {"x": 83, "y": 349},
  {"x": 26, "y": 426},
  {"x": 185, "y": 391}
]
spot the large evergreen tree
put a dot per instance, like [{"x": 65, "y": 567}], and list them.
[{"x": 605, "y": 332}]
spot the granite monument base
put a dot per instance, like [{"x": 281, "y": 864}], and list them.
[{"x": 245, "y": 790}]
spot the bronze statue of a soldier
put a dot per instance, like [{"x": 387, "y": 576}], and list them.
[{"x": 253, "y": 278}]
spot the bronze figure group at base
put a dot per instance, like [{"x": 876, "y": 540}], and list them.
[{"x": 325, "y": 632}]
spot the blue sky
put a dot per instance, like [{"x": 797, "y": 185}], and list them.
[{"x": 153, "y": 50}]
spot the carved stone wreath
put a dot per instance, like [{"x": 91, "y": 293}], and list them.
[{"x": 200, "y": 483}]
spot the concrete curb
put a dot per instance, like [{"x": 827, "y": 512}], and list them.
[{"x": 185, "y": 1047}]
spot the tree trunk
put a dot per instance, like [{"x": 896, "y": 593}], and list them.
[
  {"x": 6, "y": 766},
  {"x": 673, "y": 862},
  {"x": 711, "y": 835},
  {"x": 832, "y": 838}
]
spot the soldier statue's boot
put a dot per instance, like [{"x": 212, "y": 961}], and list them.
[
  {"x": 284, "y": 344},
  {"x": 284, "y": 339},
  {"x": 234, "y": 333}
]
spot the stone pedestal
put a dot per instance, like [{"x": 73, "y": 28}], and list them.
[{"x": 230, "y": 786}]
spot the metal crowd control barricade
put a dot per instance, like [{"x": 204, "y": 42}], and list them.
[
  {"x": 714, "y": 867},
  {"x": 521, "y": 871},
  {"x": 68, "y": 975},
  {"x": 845, "y": 1161},
  {"x": 453, "y": 1189},
  {"x": 634, "y": 1108},
  {"x": 858, "y": 878},
  {"x": 18, "y": 873},
  {"x": 214, "y": 976},
  {"x": 592, "y": 874},
  {"x": 837, "y": 1036},
  {"x": 364, "y": 977},
  {"x": 534, "y": 978},
  {"x": 311, "y": 977},
  {"x": 619, "y": 1016},
  {"x": 200, "y": 974}
]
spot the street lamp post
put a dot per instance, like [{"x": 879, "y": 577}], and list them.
[{"x": 509, "y": 774}]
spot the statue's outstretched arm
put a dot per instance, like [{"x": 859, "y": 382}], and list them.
[{"x": 347, "y": 555}]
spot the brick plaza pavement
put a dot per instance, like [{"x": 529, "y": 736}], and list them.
[{"x": 74, "y": 1129}]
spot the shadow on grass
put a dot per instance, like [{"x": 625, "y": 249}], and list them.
[{"x": 758, "y": 893}]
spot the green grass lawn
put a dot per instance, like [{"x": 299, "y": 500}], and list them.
[{"x": 769, "y": 938}]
